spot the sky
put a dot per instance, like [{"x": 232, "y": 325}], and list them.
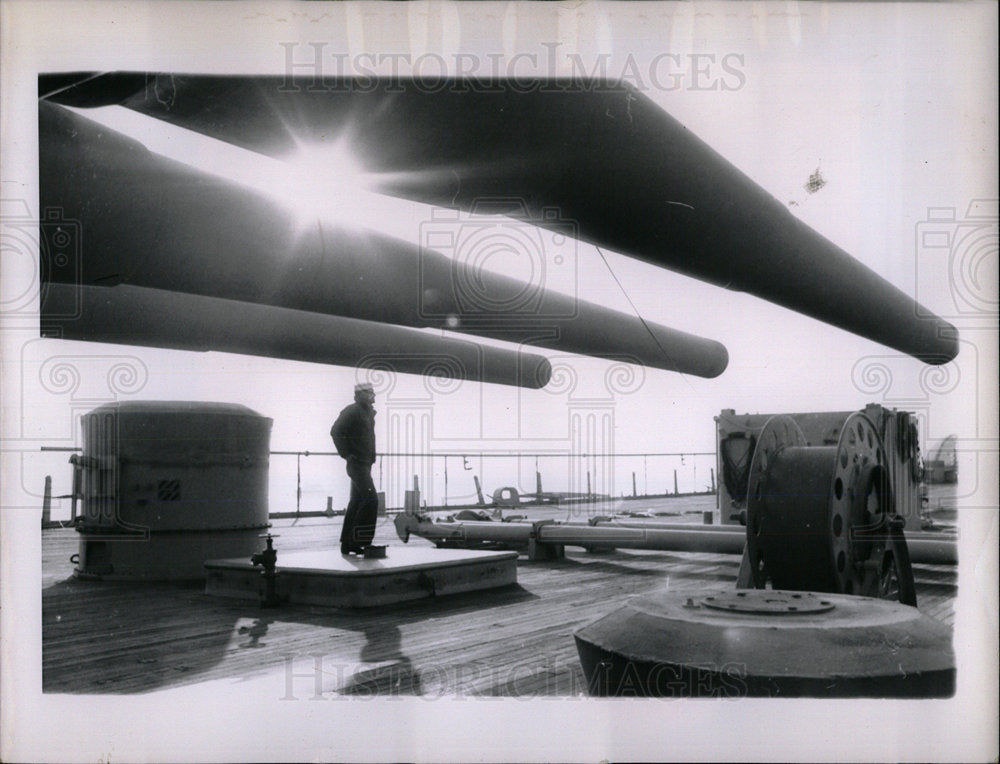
[
  {"x": 894, "y": 105},
  {"x": 885, "y": 104}
]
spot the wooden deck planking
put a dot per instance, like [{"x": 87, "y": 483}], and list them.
[{"x": 125, "y": 638}]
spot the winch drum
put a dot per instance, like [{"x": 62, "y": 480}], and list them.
[{"x": 822, "y": 518}]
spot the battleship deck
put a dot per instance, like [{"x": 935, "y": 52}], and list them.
[{"x": 116, "y": 637}]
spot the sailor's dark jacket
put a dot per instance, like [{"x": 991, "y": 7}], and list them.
[{"x": 354, "y": 433}]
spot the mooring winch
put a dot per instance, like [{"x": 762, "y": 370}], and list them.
[{"x": 823, "y": 518}]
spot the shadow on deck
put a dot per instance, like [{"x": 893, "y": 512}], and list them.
[{"x": 120, "y": 637}]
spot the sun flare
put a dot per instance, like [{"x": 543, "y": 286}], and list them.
[{"x": 326, "y": 182}]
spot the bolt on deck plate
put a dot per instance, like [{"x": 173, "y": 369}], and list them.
[{"x": 772, "y": 603}]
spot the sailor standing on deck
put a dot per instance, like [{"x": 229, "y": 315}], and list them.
[{"x": 354, "y": 438}]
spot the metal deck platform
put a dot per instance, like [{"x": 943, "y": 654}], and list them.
[{"x": 329, "y": 579}]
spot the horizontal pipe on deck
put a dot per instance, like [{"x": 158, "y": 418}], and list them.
[
  {"x": 925, "y": 548},
  {"x": 926, "y": 551},
  {"x": 663, "y": 526},
  {"x": 582, "y": 535},
  {"x": 643, "y": 538},
  {"x": 473, "y": 531}
]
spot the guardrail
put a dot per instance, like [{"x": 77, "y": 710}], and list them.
[{"x": 314, "y": 482}]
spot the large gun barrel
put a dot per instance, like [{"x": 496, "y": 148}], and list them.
[
  {"x": 153, "y": 223},
  {"x": 630, "y": 176}
]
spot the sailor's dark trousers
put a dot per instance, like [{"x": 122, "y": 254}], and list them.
[{"x": 362, "y": 509}]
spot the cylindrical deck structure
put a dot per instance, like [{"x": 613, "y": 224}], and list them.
[
  {"x": 720, "y": 643},
  {"x": 167, "y": 485}
]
